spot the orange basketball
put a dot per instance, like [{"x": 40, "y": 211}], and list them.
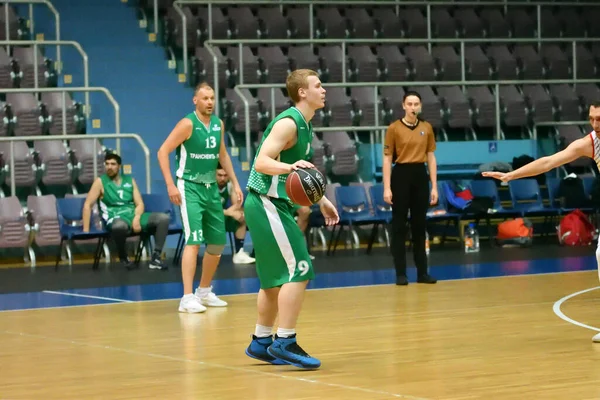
[{"x": 305, "y": 187}]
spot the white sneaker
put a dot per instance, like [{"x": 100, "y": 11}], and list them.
[
  {"x": 209, "y": 299},
  {"x": 191, "y": 304},
  {"x": 241, "y": 257},
  {"x": 596, "y": 338}
]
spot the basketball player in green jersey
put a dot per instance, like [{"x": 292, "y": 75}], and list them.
[
  {"x": 283, "y": 264},
  {"x": 122, "y": 210},
  {"x": 198, "y": 139}
]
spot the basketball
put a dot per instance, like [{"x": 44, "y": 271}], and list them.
[{"x": 305, "y": 187}]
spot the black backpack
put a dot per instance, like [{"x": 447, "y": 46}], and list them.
[{"x": 572, "y": 192}]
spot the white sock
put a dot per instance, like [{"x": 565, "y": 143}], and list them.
[
  {"x": 187, "y": 296},
  {"x": 262, "y": 331},
  {"x": 284, "y": 333},
  {"x": 203, "y": 291}
]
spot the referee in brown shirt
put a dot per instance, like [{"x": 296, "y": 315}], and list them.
[{"x": 409, "y": 143}]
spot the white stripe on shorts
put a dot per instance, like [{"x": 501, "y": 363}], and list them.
[{"x": 280, "y": 236}]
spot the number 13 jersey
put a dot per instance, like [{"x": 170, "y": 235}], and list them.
[{"x": 197, "y": 157}]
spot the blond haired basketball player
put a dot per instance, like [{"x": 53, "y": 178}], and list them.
[
  {"x": 198, "y": 140},
  {"x": 587, "y": 146},
  {"x": 283, "y": 264}
]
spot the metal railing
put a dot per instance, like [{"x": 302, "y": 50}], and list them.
[
  {"x": 135, "y": 136},
  {"x": 558, "y": 123},
  {"x": 345, "y": 42},
  {"x": 37, "y": 43},
  {"x": 376, "y": 85},
  {"x": 178, "y": 3},
  {"x": 32, "y": 24},
  {"x": 64, "y": 91}
]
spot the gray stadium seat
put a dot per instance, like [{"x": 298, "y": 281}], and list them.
[
  {"x": 235, "y": 108},
  {"x": 275, "y": 61},
  {"x": 469, "y": 24},
  {"x": 302, "y": 57},
  {"x": 83, "y": 150},
  {"x": 586, "y": 65},
  {"x": 13, "y": 24},
  {"x": 360, "y": 23},
  {"x": 26, "y": 109},
  {"x": 364, "y": 100},
  {"x": 319, "y": 155},
  {"x": 343, "y": 153},
  {"x": 557, "y": 63},
  {"x": 513, "y": 106},
  {"x": 422, "y": 63},
  {"x": 204, "y": 67},
  {"x": 250, "y": 70},
  {"x": 6, "y": 67},
  {"x": 566, "y": 101},
  {"x": 522, "y": 24},
  {"x": 495, "y": 23},
  {"x": 414, "y": 23},
  {"x": 363, "y": 64},
  {"x": 504, "y": 63},
  {"x": 587, "y": 93},
  {"x": 53, "y": 103},
  {"x": 531, "y": 65},
  {"x": 457, "y": 106},
  {"x": 330, "y": 58},
  {"x": 483, "y": 104},
  {"x": 58, "y": 169},
  {"x": 540, "y": 102},
  {"x": 443, "y": 25},
  {"x": 396, "y": 65},
  {"x": 478, "y": 64},
  {"x": 432, "y": 106},
  {"x": 244, "y": 24},
  {"x": 337, "y": 111},
  {"x": 14, "y": 229},
  {"x": 388, "y": 22},
  {"x": 299, "y": 22},
  {"x": 330, "y": 23},
  {"x": 275, "y": 22},
  {"x": 448, "y": 62},
  {"x": 43, "y": 210},
  {"x": 25, "y": 165},
  {"x": 25, "y": 58}
]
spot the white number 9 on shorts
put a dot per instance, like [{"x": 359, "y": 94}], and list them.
[{"x": 303, "y": 267}]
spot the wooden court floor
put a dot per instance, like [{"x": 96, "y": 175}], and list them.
[{"x": 469, "y": 339}]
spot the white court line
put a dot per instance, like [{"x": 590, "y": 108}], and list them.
[
  {"x": 561, "y": 315},
  {"x": 87, "y": 296},
  {"x": 219, "y": 366}
]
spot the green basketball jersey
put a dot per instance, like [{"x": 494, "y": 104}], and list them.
[
  {"x": 197, "y": 158},
  {"x": 117, "y": 200},
  {"x": 225, "y": 193},
  {"x": 274, "y": 186}
]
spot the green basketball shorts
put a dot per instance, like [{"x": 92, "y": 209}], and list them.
[
  {"x": 201, "y": 213},
  {"x": 279, "y": 245}
]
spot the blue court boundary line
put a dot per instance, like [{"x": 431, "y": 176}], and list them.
[{"x": 61, "y": 298}]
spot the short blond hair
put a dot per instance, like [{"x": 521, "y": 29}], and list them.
[
  {"x": 202, "y": 85},
  {"x": 296, "y": 80}
]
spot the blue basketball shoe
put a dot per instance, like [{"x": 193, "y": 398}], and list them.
[
  {"x": 288, "y": 350},
  {"x": 258, "y": 350}
]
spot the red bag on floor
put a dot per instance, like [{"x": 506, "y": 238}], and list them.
[
  {"x": 518, "y": 231},
  {"x": 575, "y": 229}
]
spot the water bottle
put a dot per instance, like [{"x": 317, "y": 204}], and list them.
[
  {"x": 471, "y": 239},
  {"x": 426, "y": 243}
]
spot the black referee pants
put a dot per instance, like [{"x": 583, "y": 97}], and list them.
[{"x": 410, "y": 191}]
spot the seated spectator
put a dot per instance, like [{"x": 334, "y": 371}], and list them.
[
  {"x": 122, "y": 211},
  {"x": 234, "y": 218}
]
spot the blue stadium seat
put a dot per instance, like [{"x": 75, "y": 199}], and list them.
[{"x": 70, "y": 210}]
